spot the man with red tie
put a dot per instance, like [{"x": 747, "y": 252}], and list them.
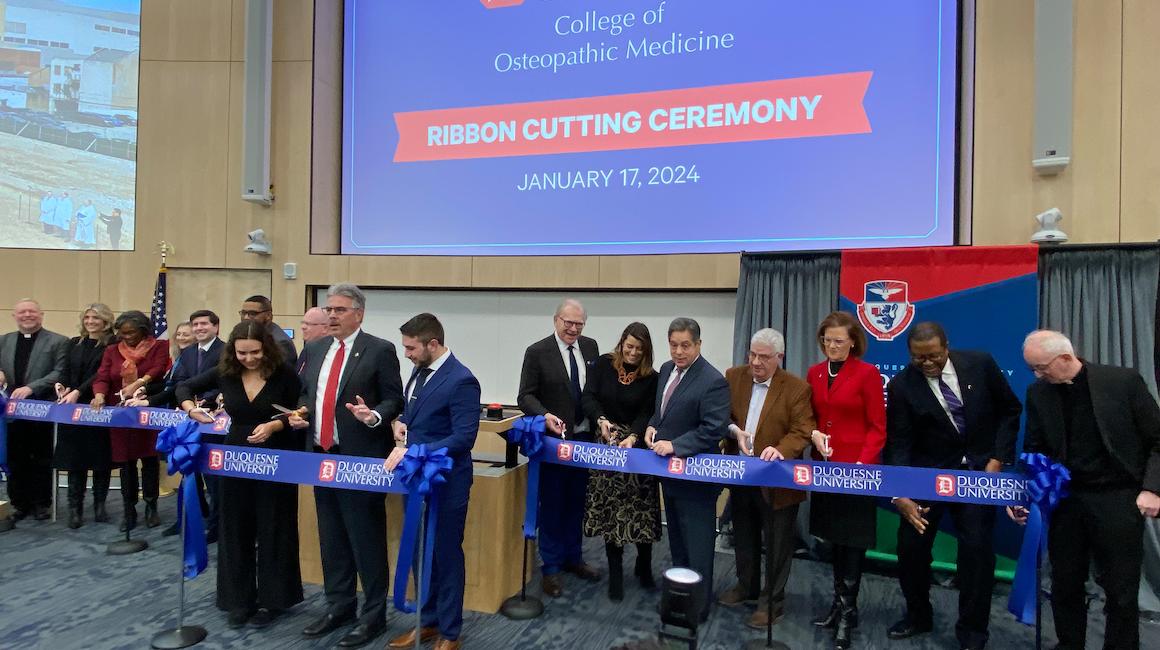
[{"x": 352, "y": 389}]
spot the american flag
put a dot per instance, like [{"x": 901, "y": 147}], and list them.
[{"x": 157, "y": 311}]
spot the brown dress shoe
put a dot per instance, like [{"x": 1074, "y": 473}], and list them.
[
  {"x": 760, "y": 618},
  {"x": 734, "y": 596},
  {"x": 445, "y": 644},
  {"x": 407, "y": 639},
  {"x": 584, "y": 571},
  {"x": 553, "y": 585}
]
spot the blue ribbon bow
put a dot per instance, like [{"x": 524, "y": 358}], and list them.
[
  {"x": 528, "y": 433},
  {"x": 422, "y": 472},
  {"x": 1046, "y": 488},
  {"x": 182, "y": 442}
]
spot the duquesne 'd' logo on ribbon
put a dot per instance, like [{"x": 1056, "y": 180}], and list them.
[
  {"x": 327, "y": 470},
  {"x": 216, "y": 459},
  {"x": 676, "y": 465},
  {"x": 564, "y": 451},
  {"x": 944, "y": 485},
  {"x": 803, "y": 474}
]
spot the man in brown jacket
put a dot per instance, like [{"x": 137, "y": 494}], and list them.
[{"x": 771, "y": 417}]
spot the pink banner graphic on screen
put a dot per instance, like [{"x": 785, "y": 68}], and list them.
[{"x": 763, "y": 110}]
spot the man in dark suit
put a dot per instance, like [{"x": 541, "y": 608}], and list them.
[
  {"x": 442, "y": 411},
  {"x": 32, "y": 360},
  {"x": 551, "y": 383},
  {"x": 692, "y": 417},
  {"x": 948, "y": 410},
  {"x": 352, "y": 390},
  {"x": 259, "y": 308},
  {"x": 1103, "y": 425},
  {"x": 314, "y": 326},
  {"x": 770, "y": 417}
]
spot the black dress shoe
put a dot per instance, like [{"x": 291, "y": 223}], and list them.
[
  {"x": 552, "y": 585},
  {"x": 237, "y": 617},
  {"x": 362, "y": 634},
  {"x": 327, "y": 624},
  {"x": 41, "y": 514},
  {"x": 264, "y": 617},
  {"x": 175, "y": 529},
  {"x": 19, "y": 515},
  {"x": 906, "y": 628}
]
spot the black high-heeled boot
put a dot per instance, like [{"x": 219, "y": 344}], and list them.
[
  {"x": 129, "y": 488},
  {"x": 615, "y": 571},
  {"x": 150, "y": 475},
  {"x": 152, "y": 519},
  {"x": 100, "y": 493},
  {"x": 852, "y": 584},
  {"x": 829, "y": 620},
  {"x": 76, "y": 498},
  {"x": 644, "y": 566}
]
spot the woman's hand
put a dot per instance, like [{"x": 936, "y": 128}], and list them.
[
  {"x": 263, "y": 431},
  {"x": 629, "y": 442},
  {"x": 70, "y": 397},
  {"x": 822, "y": 443},
  {"x": 98, "y": 401},
  {"x": 605, "y": 428},
  {"x": 199, "y": 414},
  {"x": 135, "y": 402}
]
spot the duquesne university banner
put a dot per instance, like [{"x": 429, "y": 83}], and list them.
[
  {"x": 362, "y": 473},
  {"x": 986, "y": 298}
]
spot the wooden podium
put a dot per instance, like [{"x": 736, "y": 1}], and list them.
[{"x": 493, "y": 537}]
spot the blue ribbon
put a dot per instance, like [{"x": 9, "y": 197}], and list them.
[
  {"x": 3, "y": 435},
  {"x": 528, "y": 433},
  {"x": 422, "y": 471},
  {"x": 182, "y": 442},
  {"x": 1046, "y": 487}
]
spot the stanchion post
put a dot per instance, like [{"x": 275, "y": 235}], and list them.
[
  {"x": 1038, "y": 600},
  {"x": 126, "y": 546},
  {"x": 768, "y": 642},
  {"x": 419, "y": 574},
  {"x": 55, "y": 475},
  {"x": 522, "y": 607},
  {"x": 181, "y": 636}
]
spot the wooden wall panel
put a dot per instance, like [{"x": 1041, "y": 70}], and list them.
[
  {"x": 58, "y": 280},
  {"x": 326, "y": 175},
  {"x": 185, "y": 30},
  {"x": 1139, "y": 163},
  {"x": 1095, "y": 168},
  {"x": 536, "y": 272},
  {"x": 220, "y": 290},
  {"x": 418, "y": 271},
  {"x": 670, "y": 271}
]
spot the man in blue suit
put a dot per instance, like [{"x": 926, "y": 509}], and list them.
[
  {"x": 692, "y": 416},
  {"x": 441, "y": 410}
]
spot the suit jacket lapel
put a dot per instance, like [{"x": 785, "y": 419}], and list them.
[
  {"x": 433, "y": 383},
  {"x": 689, "y": 373},
  {"x": 922, "y": 392},
  {"x": 771, "y": 394},
  {"x": 743, "y": 394},
  {"x": 840, "y": 379},
  {"x": 355, "y": 352},
  {"x": 34, "y": 358}
]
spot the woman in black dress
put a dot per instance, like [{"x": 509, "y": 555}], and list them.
[
  {"x": 624, "y": 508},
  {"x": 258, "y": 575},
  {"x": 83, "y": 448}
]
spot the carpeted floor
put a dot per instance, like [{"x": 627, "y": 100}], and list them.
[{"x": 58, "y": 590}]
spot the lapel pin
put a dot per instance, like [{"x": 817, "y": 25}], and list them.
[{"x": 357, "y": 353}]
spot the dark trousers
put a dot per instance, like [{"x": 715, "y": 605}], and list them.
[
  {"x": 753, "y": 519},
  {"x": 976, "y": 568},
  {"x": 444, "y": 607},
  {"x": 78, "y": 481},
  {"x": 148, "y": 484},
  {"x": 561, "y": 517},
  {"x": 352, "y": 536},
  {"x": 30, "y": 482},
  {"x": 258, "y": 549},
  {"x": 1106, "y": 527},
  {"x": 691, "y": 515}
]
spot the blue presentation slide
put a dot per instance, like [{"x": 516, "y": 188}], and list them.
[{"x": 557, "y": 127}]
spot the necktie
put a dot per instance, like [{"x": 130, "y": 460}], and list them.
[
  {"x": 670, "y": 390},
  {"x": 326, "y": 432},
  {"x": 574, "y": 370},
  {"x": 200, "y": 360},
  {"x": 420, "y": 379},
  {"x": 954, "y": 405}
]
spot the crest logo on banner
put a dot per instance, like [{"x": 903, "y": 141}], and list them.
[
  {"x": 326, "y": 470},
  {"x": 76, "y": 416},
  {"x": 564, "y": 451},
  {"x": 221, "y": 422},
  {"x": 803, "y": 474},
  {"x": 11, "y": 408},
  {"x": 944, "y": 485},
  {"x": 676, "y": 465},
  {"x": 143, "y": 417},
  {"x": 885, "y": 310},
  {"x": 216, "y": 459}
]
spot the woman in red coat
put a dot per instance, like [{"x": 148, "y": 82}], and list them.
[
  {"x": 136, "y": 355},
  {"x": 851, "y": 413}
]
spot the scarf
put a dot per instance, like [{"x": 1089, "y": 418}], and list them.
[{"x": 132, "y": 357}]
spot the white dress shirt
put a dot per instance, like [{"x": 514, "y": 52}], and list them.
[
  {"x": 580, "y": 365},
  {"x": 434, "y": 366},
  {"x": 753, "y": 416},
  {"x": 952, "y": 379},
  {"x": 324, "y": 376}
]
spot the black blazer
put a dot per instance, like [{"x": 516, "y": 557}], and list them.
[
  {"x": 919, "y": 433},
  {"x": 185, "y": 369},
  {"x": 545, "y": 386},
  {"x": 1126, "y": 413},
  {"x": 372, "y": 372}
]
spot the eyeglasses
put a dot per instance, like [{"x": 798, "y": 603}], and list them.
[
  {"x": 1042, "y": 367},
  {"x": 923, "y": 358},
  {"x": 250, "y": 313},
  {"x": 764, "y": 358},
  {"x": 575, "y": 324},
  {"x": 336, "y": 311},
  {"x": 839, "y": 342}
]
